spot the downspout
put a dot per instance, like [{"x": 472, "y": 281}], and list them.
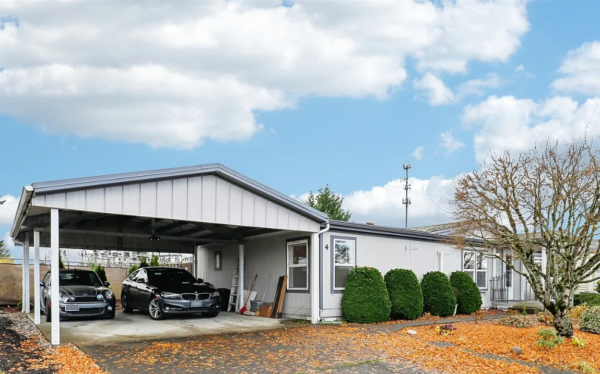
[{"x": 320, "y": 233}]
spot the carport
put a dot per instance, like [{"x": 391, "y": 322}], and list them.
[{"x": 169, "y": 210}]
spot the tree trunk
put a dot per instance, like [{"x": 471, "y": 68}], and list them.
[{"x": 563, "y": 324}]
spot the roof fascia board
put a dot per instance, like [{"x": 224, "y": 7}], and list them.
[{"x": 21, "y": 212}]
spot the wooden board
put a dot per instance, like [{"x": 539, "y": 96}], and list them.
[{"x": 279, "y": 294}]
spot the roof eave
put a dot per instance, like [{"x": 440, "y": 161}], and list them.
[{"x": 23, "y": 207}]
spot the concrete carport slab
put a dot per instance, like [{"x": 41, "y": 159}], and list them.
[{"x": 139, "y": 326}]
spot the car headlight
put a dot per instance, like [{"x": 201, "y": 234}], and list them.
[
  {"x": 170, "y": 295},
  {"x": 108, "y": 294},
  {"x": 63, "y": 296},
  {"x": 215, "y": 294}
]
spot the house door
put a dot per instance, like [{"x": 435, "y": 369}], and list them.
[{"x": 508, "y": 276}]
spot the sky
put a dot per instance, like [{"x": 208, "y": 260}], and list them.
[{"x": 294, "y": 94}]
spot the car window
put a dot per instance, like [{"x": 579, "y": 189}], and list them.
[
  {"x": 170, "y": 276},
  {"x": 141, "y": 276},
  {"x": 132, "y": 276},
  {"x": 79, "y": 278},
  {"x": 47, "y": 279}
]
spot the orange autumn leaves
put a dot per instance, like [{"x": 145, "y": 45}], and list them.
[{"x": 70, "y": 360}]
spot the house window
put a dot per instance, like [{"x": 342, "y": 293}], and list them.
[
  {"x": 218, "y": 260},
  {"x": 297, "y": 265},
  {"x": 475, "y": 264},
  {"x": 344, "y": 259}
]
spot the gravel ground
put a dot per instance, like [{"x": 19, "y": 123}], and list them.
[{"x": 17, "y": 355}]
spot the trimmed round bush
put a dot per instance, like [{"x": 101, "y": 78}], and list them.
[
  {"x": 405, "y": 294},
  {"x": 438, "y": 297},
  {"x": 467, "y": 293},
  {"x": 365, "y": 298},
  {"x": 590, "y": 320}
]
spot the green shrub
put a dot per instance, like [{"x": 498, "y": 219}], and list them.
[
  {"x": 591, "y": 299},
  {"x": 468, "y": 295},
  {"x": 405, "y": 294},
  {"x": 154, "y": 261},
  {"x": 365, "y": 298},
  {"x": 143, "y": 263},
  {"x": 548, "y": 339},
  {"x": 438, "y": 297},
  {"x": 132, "y": 268},
  {"x": 99, "y": 269},
  {"x": 20, "y": 305},
  {"x": 590, "y": 320}
]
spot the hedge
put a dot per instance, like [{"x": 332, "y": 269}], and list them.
[
  {"x": 591, "y": 299},
  {"x": 467, "y": 293},
  {"x": 405, "y": 294},
  {"x": 590, "y": 320},
  {"x": 365, "y": 298},
  {"x": 438, "y": 297}
]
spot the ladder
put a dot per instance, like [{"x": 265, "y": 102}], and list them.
[{"x": 232, "y": 306}]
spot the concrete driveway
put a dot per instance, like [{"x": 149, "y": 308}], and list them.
[{"x": 139, "y": 326}]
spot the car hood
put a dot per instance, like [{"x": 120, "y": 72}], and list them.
[
  {"x": 82, "y": 290},
  {"x": 185, "y": 288}
]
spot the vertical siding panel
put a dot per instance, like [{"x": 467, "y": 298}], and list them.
[
  {"x": 235, "y": 205},
  {"x": 148, "y": 199},
  {"x": 180, "y": 198},
  {"x": 113, "y": 202},
  {"x": 293, "y": 221},
  {"x": 56, "y": 200},
  {"x": 164, "y": 199},
  {"x": 248, "y": 208},
  {"x": 76, "y": 200},
  {"x": 260, "y": 211},
  {"x": 94, "y": 200},
  {"x": 222, "y": 200},
  {"x": 209, "y": 194},
  {"x": 131, "y": 199},
  {"x": 282, "y": 217},
  {"x": 194, "y": 199},
  {"x": 39, "y": 200},
  {"x": 271, "y": 215}
]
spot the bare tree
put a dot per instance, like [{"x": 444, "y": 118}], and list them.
[{"x": 547, "y": 198}]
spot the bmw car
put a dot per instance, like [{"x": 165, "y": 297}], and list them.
[
  {"x": 81, "y": 294},
  {"x": 166, "y": 291}
]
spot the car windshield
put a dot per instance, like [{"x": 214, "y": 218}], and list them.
[
  {"x": 79, "y": 278},
  {"x": 173, "y": 277}
]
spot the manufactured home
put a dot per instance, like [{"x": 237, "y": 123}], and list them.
[{"x": 230, "y": 223}]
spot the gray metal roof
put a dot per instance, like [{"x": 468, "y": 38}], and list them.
[{"x": 161, "y": 174}]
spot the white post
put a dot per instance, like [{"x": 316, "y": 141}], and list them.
[
  {"x": 314, "y": 279},
  {"x": 440, "y": 261},
  {"x": 26, "y": 298},
  {"x": 241, "y": 298},
  {"x": 36, "y": 277},
  {"x": 55, "y": 278}
]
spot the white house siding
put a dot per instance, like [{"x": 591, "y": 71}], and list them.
[
  {"x": 197, "y": 199},
  {"x": 386, "y": 253},
  {"x": 264, "y": 255}
]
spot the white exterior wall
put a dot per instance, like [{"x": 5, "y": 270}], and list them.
[
  {"x": 264, "y": 255},
  {"x": 196, "y": 199},
  {"x": 386, "y": 253}
]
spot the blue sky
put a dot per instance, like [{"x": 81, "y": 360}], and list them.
[{"x": 338, "y": 101}]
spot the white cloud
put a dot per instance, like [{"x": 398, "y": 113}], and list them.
[
  {"x": 383, "y": 204},
  {"x": 449, "y": 143},
  {"x": 435, "y": 89},
  {"x": 520, "y": 68},
  {"x": 439, "y": 94},
  {"x": 517, "y": 124},
  {"x": 177, "y": 74},
  {"x": 580, "y": 68},
  {"x": 8, "y": 209},
  {"x": 418, "y": 153}
]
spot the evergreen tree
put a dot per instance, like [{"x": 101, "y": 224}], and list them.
[
  {"x": 329, "y": 203},
  {"x": 5, "y": 257}
]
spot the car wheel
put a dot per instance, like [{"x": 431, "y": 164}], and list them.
[
  {"x": 112, "y": 314},
  {"x": 156, "y": 312},
  {"x": 125, "y": 305},
  {"x": 48, "y": 312},
  {"x": 210, "y": 314}
]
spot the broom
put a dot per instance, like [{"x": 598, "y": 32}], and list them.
[{"x": 248, "y": 297}]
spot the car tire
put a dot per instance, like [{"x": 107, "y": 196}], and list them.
[
  {"x": 155, "y": 310},
  {"x": 210, "y": 314},
  {"x": 125, "y": 305},
  {"x": 112, "y": 314},
  {"x": 48, "y": 312}
]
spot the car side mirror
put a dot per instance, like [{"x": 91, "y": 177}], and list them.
[
  {"x": 200, "y": 280},
  {"x": 43, "y": 284},
  {"x": 106, "y": 284}
]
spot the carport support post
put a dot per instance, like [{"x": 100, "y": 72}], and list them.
[
  {"x": 314, "y": 279},
  {"x": 55, "y": 279},
  {"x": 36, "y": 277},
  {"x": 26, "y": 298},
  {"x": 241, "y": 298}
]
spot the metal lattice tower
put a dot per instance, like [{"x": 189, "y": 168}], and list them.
[{"x": 406, "y": 200}]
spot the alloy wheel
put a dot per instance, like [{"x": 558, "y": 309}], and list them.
[{"x": 155, "y": 311}]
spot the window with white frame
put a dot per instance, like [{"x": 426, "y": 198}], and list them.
[
  {"x": 344, "y": 259},
  {"x": 475, "y": 264},
  {"x": 297, "y": 265}
]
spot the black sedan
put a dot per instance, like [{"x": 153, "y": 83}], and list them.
[
  {"x": 163, "y": 291},
  {"x": 81, "y": 294}
]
